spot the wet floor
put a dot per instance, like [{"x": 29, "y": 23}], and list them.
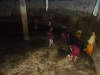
[{"x": 33, "y": 57}]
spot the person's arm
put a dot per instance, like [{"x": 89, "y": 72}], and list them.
[
  {"x": 94, "y": 39},
  {"x": 68, "y": 37},
  {"x": 70, "y": 48},
  {"x": 48, "y": 32}
]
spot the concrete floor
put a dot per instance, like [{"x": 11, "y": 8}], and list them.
[
  {"x": 33, "y": 57},
  {"x": 18, "y": 57}
]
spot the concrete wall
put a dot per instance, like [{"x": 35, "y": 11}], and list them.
[{"x": 8, "y": 7}]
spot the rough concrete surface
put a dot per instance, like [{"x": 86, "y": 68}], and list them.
[{"x": 35, "y": 58}]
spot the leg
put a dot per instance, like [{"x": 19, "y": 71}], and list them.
[
  {"x": 50, "y": 42},
  {"x": 75, "y": 58},
  {"x": 71, "y": 57}
]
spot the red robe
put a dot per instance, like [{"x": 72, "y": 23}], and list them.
[
  {"x": 63, "y": 36},
  {"x": 35, "y": 22},
  {"x": 75, "y": 50},
  {"x": 51, "y": 36}
]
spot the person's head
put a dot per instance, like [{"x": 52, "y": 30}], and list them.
[
  {"x": 51, "y": 28},
  {"x": 78, "y": 33},
  {"x": 63, "y": 27},
  {"x": 93, "y": 33}
]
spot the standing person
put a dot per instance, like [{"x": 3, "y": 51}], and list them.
[
  {"x": 36, "y": 23},
  {"x": 90, "y": 45},
  {"x": 63, "y": 36},
  {"x": 49, "y": 24},
  {"x": 78, "y": 34},
  {"x": 75, "y": 52},
  {"x": 51, "y": 37},
  {"x": 68, "y": 35},
  {"x": 68, "y": 38}
]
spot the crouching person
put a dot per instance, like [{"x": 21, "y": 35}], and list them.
[{"x": 75, "y": 52}]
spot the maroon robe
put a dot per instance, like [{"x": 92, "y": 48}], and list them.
[
  {"x": 35, "y": 22},
  {"x": 75, "y": 50},
  {"x": 51, "y": 36},
  {"x": 63, "y": 36}
]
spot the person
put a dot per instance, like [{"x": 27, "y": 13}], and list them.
[
  {"x": 68, "y": 35},
  {"x": 68, "y": 38},
  {"x": 75, "y": 52},
  {"x": 78, "y": 34},
  {"x": 35, "y": 23},
  {"x": 49, "y": 24},
  {"x": 63, "y": 36},
  {"x": 90, "y": 45},
  {"x": 51, "y": 37}
]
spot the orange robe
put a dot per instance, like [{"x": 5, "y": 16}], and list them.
[
  {"x": 89, "y": 48},
  {"x": 90, "y": 45}
]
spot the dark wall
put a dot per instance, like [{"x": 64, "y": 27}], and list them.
[
  {"x": 9, "y": 7},
  {"x": 76, "y": 14}
]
